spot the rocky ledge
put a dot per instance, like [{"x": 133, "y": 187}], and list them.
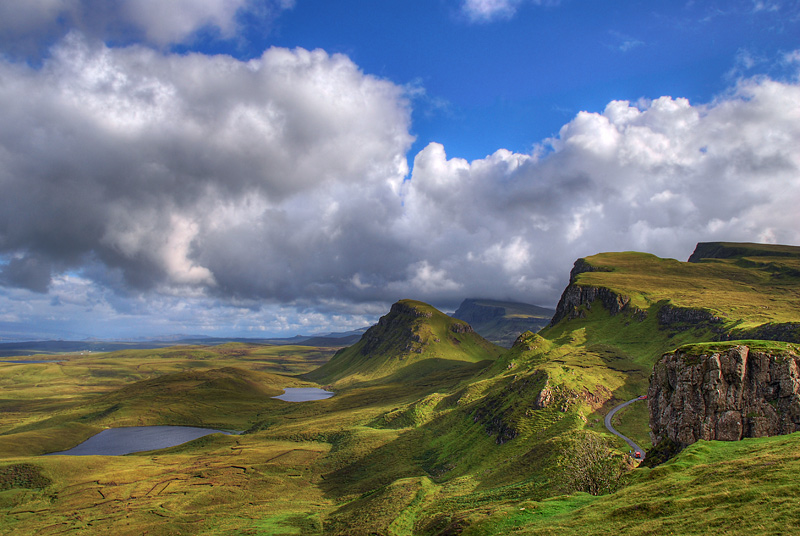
[{"x": 726, "y": 395}]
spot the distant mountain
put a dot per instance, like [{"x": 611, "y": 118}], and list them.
[
  {"x": 501, "y": 322},
  {"x": 413, "y": 340},
  {"x": 741, "y": 250},
  {"x": 25, "y": 348}
]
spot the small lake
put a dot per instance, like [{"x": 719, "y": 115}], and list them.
[
  {"x": 303, "y": 394},
  {"x": 129, "y": 439}
]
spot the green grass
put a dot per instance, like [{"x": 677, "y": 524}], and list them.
[
  {"x": 432, "y": 430},
  {"x": 744, "y": 487},
  {"x": 773, "y": 347},
  {"x": 634, "y": 422},
  {"x": 413, "y": 340},
  {"x": 745, "y": 292}
]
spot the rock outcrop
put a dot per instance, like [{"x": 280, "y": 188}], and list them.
[
  {"x": 575, "y": 295},
  {"x": 726, "y": 395}
]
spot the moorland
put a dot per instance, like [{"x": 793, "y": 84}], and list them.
[{"x": 433, "y": 429}]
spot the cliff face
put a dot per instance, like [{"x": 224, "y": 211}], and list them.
[
  {"x": 725, "y": 395},
  {"x": 576, "y": 295}
]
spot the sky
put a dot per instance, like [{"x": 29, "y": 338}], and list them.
[{"x": 259, "y": 168}]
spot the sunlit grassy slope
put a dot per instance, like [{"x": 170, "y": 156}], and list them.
[
  {"x": 412, "y": 341},
  {"x": 747, "y": 288},
  {"x": 745, "y": 487},
  {"x": 754, "y": 286},
  {"x": 432, "y": 430}
]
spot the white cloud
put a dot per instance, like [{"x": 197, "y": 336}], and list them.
[
  {"x": 210, "y": 191},
  {"x": 656, "y": 176},
  {"x": 489, "y": 10},
  {"x": 26, "y": 25},
  {"x": 196, "y": 171},
  {"x": 625, "y": 43}
]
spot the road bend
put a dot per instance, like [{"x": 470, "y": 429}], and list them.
[{"x": 634, "y": 447}]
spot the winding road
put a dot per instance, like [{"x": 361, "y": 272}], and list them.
[{"x": 634, "y": 447}]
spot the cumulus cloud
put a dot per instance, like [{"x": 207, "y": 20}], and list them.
[
  {"x": 182, "y": 172},
  {"x": 269, "y": 192},
  {"x": 26, "y": 25},
  {"x": 654, "y": 176}
]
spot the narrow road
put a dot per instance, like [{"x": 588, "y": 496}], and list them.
[{"x": 634, "y": 447}]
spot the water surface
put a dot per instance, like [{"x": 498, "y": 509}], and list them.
[
  {"x": 303, "y": 394},
  {"x": 125, "y": 440}
]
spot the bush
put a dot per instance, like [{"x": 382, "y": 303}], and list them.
[{"x": 591, "y": 465}]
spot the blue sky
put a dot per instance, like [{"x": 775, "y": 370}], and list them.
[
  {"x": 259, "y": 168},
  {"x": 511, "y": 80}
]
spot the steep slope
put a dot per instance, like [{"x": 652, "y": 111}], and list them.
[
  {"x": 412, "y": 341},
  {"x": 651, "y": 305},
  {"x": 739, "y": 250},
  {"x": 744, "y": 487},
  {"x": 457, "y": 454},
  {"x": 501, "y": 322}
]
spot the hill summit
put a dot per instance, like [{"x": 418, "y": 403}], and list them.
[{"x": 413, "y": 340}]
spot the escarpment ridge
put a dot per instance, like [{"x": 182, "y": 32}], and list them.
[
  {"x": 730, "y": 290},
  {"x": 501, "y": 322}
]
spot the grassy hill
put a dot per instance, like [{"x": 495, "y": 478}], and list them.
[
  {"x": 501, "y": 322},
  {"x": 414, "y": 340},
  {"x": 432, "y": 431},
  {"x": 736, "y": 488}
]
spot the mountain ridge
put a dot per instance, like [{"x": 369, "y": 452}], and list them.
[{"x": 501, "y": 322}]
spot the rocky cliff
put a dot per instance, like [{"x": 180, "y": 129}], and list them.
[
  {"x": 576, "y": 295},
  {"x": 727, "y": 392}
]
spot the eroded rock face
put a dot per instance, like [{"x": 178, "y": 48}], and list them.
[{"x": 725, "y": 396}]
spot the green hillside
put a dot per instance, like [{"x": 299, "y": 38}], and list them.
[
  {"x": 741, "y": 291},
  {"x": 644, "y": 305},
  {"x": 413, "y": 340},
  {"x": 433, "y": 430}
]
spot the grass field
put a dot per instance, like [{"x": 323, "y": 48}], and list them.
[
  {"x": 432, "y": 431},
  {"x": 744, "y": 292},
  {"x": 733, "y": 488},
  {"x": 393, "y": 455}
]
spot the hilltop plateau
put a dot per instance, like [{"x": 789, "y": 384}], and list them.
[
  {"x": 433, "y": 430},
  {"x": 501, "y": 322}
]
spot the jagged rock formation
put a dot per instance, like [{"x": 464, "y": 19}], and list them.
[
  {"x": 739, "y": 391},
  {"x": 501, "y": 322}
]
